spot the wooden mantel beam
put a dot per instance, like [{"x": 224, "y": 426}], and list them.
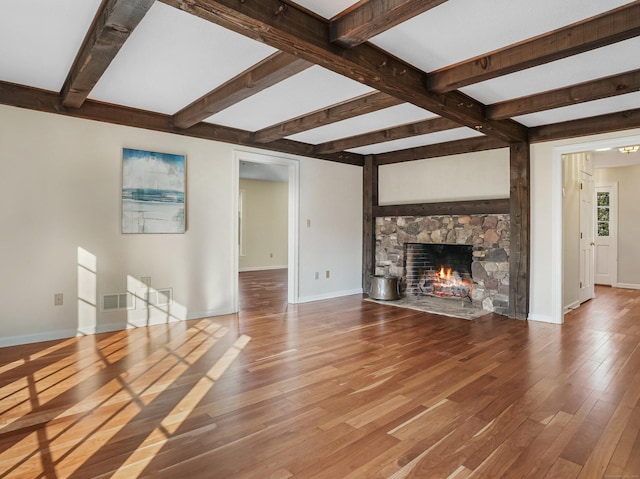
[
  {"x": 610, "y": 27},
  {"x": 111, "y": 27},
  {"x": 261, "y": 76},
  {"x": 357, "y": 25},
  {"x": 291, "y": 29},
  {"x": 470, "y": 207}
]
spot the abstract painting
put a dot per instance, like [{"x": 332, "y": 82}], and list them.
[{"x": 153, "y": 192}]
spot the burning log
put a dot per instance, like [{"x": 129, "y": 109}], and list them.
[{"x": 444, "y": 283}]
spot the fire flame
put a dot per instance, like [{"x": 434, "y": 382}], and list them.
[{"x": 445, "y": 273}]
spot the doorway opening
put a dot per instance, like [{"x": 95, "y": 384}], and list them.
[
  {"x": 558, "y": 216},
  {"x": 265, "y": 260}
]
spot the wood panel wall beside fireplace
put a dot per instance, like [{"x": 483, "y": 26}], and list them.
[{"x": 487, "y": 234}]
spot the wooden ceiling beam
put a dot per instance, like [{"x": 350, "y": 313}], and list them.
[
  {"x": 112, "y": 25},
  {"x": 618, "y": 121},
  {"x": 432, "y": 125},
  {"x": 291, "y": 29},
  {"x": 268, "y": 72},
  {"x": 368, "y": 19},
  {"x": 35, "y": 99},
  {"x": 457, "y": 147},
  {"x": 582, "y": 92},
  {"x": 367, "y": 103},
  {"x": 610, "y": 27}
]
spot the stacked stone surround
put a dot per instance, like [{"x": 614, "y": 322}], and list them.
[{"x": 489, "y": 235}]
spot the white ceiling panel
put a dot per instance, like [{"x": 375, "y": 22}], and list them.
[
  {"x": 263, "y": 172},
  {"x": 582, "y": 110},
  {"x": 415, "y": 141},
  {"x": 325, "y": 8},
  {"x": 461, "y": 29},
  {"x": 377, "y": 120},
  {"x": 158, "y": 71},
  {"x": 310, "y": 90},
  {"x": 606, "y": 61},
  {"x": 39, "y": 39},
  {"x": 613, "y": 158}
]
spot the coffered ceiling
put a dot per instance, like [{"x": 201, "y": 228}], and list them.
[{"x": 333, "y": 79}]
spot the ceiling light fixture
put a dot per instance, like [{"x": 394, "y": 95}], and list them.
[{"x": 629, "y": 149}]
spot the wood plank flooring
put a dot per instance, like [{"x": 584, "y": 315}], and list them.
[{"x": 342, "y": 388}]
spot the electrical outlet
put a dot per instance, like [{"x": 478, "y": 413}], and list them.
[
  {"x": 308, "y": 223},
  {"x": 57, "y": 299},
  {"x": 327, "y": 274},
  {"x": 317, "y": 275}
]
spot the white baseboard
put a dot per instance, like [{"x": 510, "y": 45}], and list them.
[
  {"x": 37, "y": 338},
  {"x": 334, "y": 294},
  {"x": 571, "y": 306},
  {"x": 542, "y": 318},
  {"x": 99, "y": 328},
  {"x": 627, "y": 286},
  {"x": 261, "y": 268},
  {"x": 207, "y": 314}
]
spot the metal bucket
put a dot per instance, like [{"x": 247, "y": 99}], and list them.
[{"x": 384, "y": 287}]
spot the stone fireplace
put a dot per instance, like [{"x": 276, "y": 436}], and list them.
[{"x": 487, "y": 237}]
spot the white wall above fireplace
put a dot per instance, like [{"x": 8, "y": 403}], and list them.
[{"x": 472, "y": 176}]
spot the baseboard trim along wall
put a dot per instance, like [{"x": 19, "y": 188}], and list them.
[
  {"x": 334, "y": 294},
  {"x": 542, "y": 318},
  {"x": 207, "y": 314},
  {"x": 573, "y": 305},
  {"x": 101, "y": 328},
  {"x": 37, "y": 338}
]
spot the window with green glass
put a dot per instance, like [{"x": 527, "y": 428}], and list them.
[{"x": 603, "y": 214}]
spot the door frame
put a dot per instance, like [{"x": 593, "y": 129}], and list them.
[
  {"x": 556, "y": 213},
  {"x": 293, "y": 166}
]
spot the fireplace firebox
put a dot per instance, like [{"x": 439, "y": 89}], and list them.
[{"x": 439, "y": 270}]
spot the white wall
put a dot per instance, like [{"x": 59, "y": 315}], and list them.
[
  {"x": 472, "y": 176},
  {"x": 331, "y": 200},
  {"x": 61, "y": 178},
  {"x": 628, "y": 179},
  {"x": 264, "y": 225}
]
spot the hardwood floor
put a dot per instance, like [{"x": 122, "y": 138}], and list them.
[
  {"x": 342, "y": 388},
  {"x": 266, "y": 290}
]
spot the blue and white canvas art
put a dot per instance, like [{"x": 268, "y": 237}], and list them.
[{"x": 153, "y": 191}]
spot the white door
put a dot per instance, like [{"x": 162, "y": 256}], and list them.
[
  {"x": 586, "y": 289},
  {"x": 606, "y": 254}
]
